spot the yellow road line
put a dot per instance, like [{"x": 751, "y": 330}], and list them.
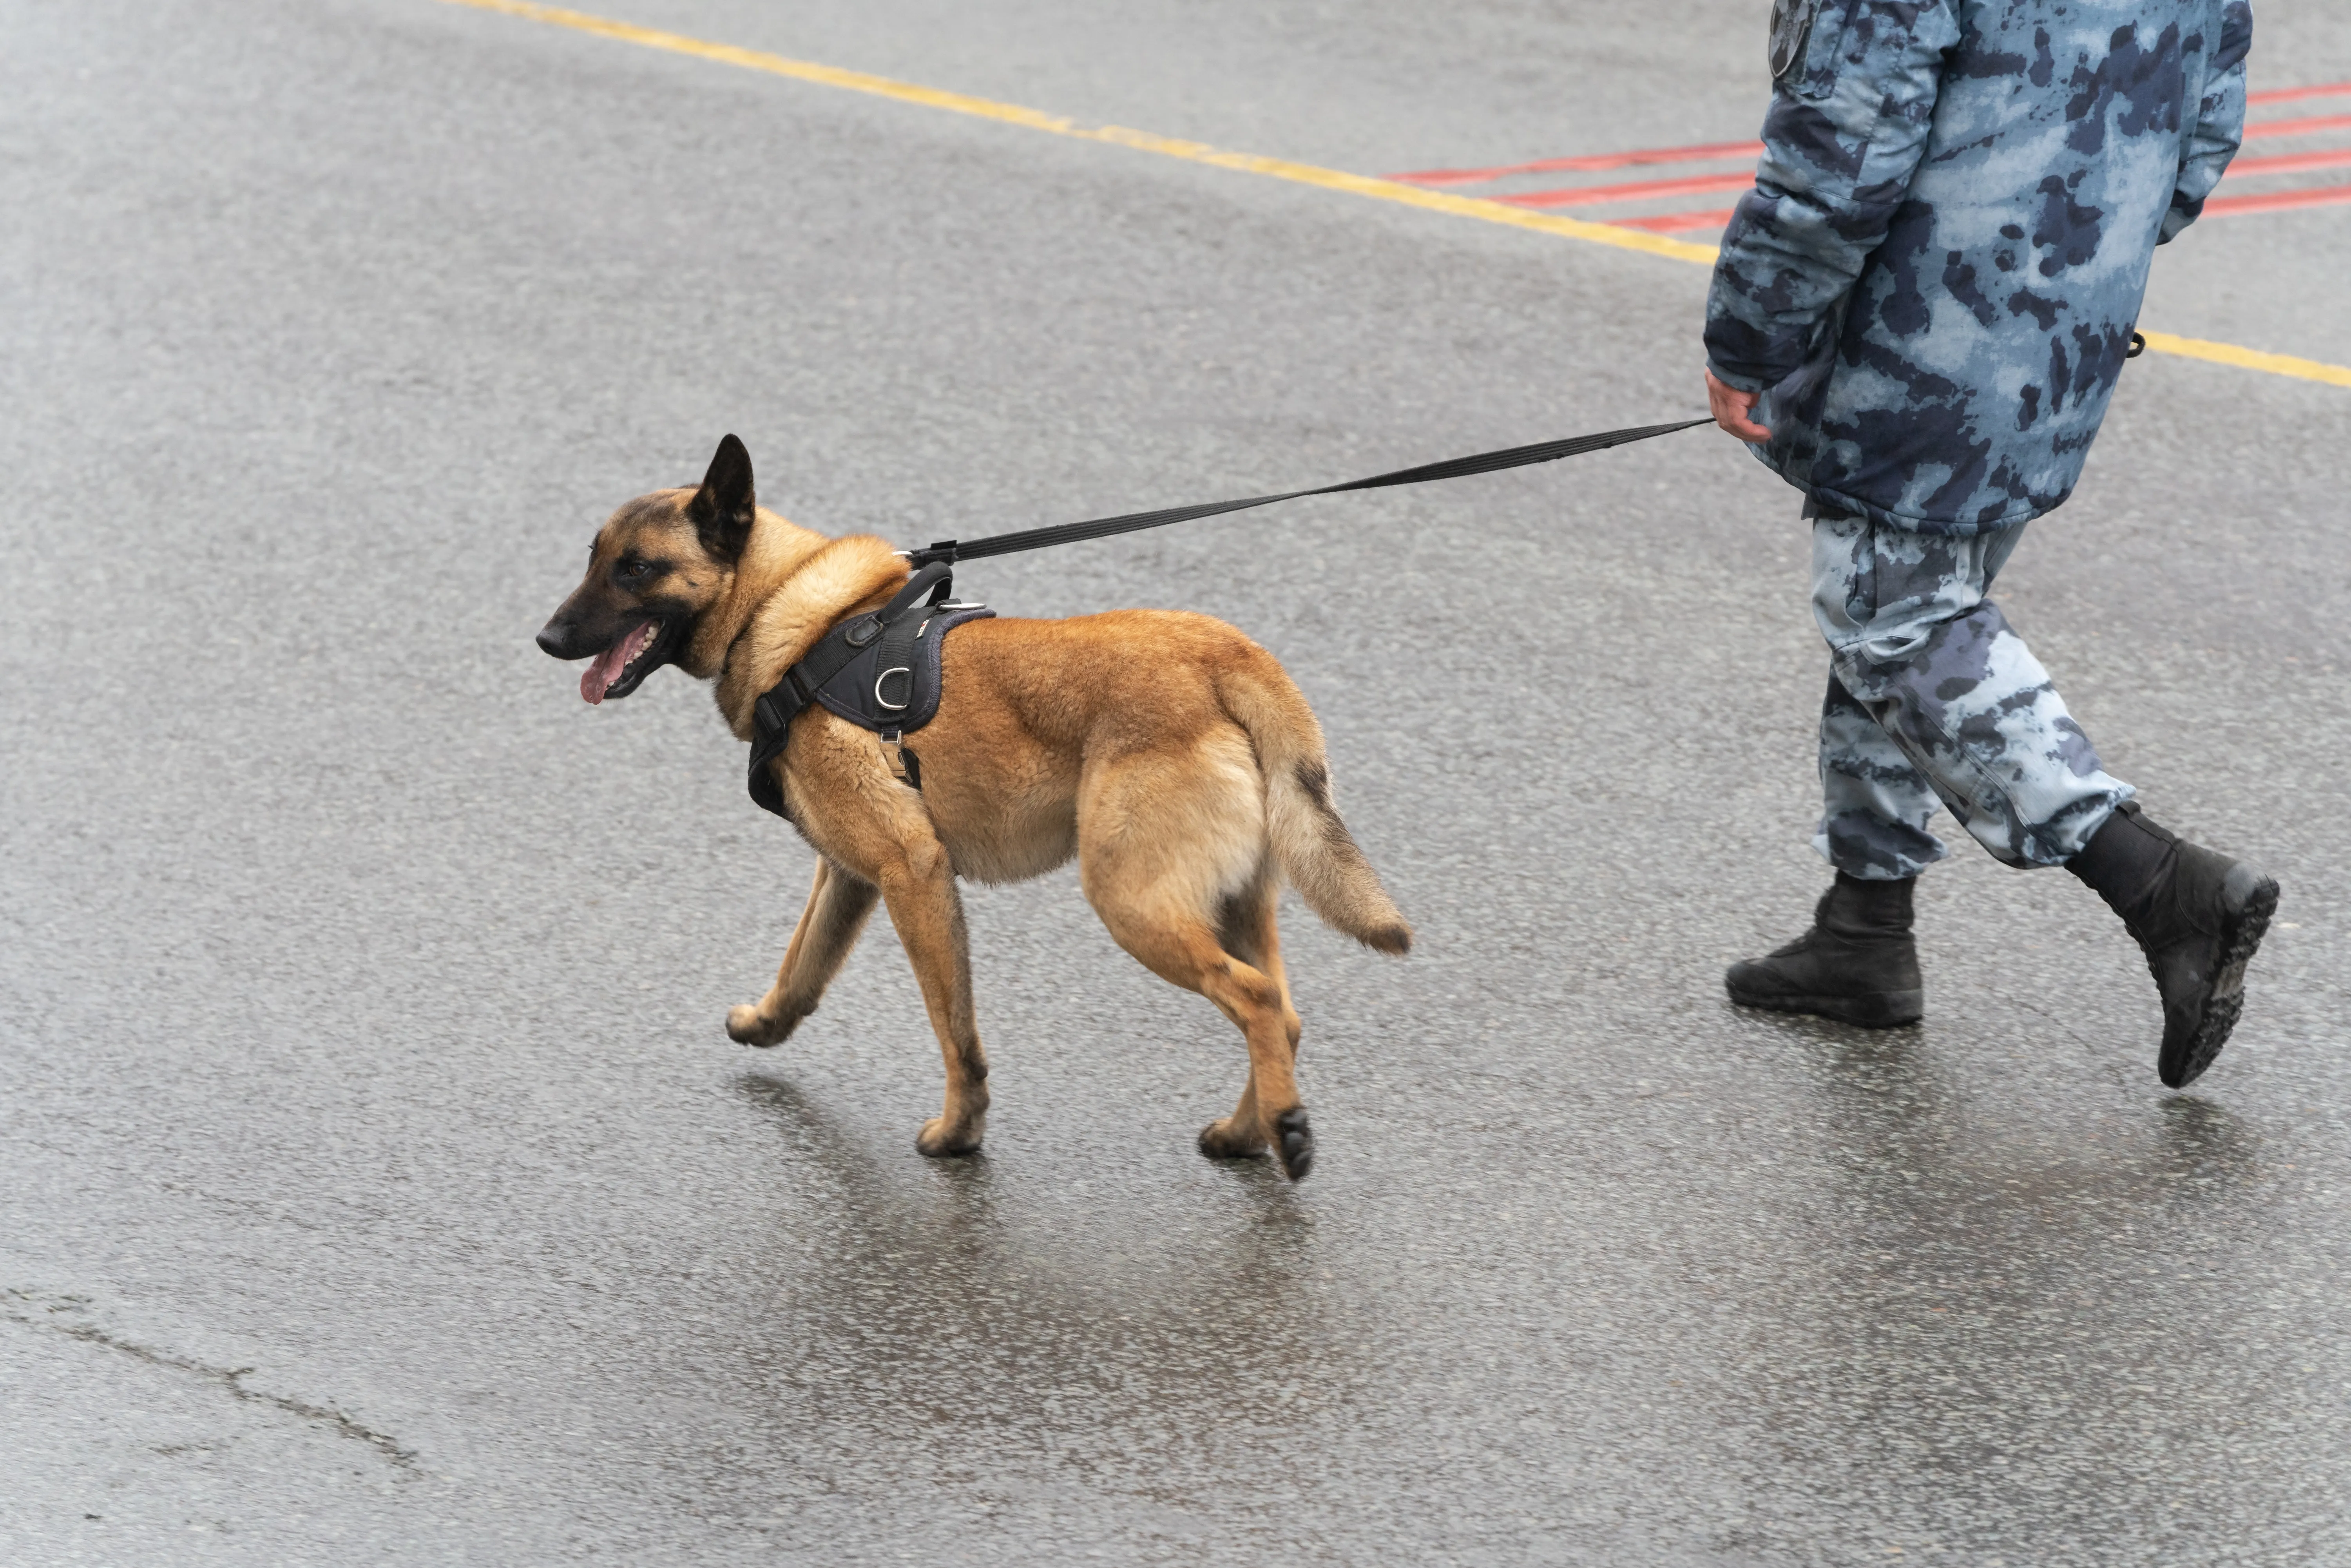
[
  {"x": 2249, "y": 358},
  {"x": 1275, "y": 168},
  {"x": 1118, "y": 135}
]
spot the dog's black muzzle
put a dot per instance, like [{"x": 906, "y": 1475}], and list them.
[{"x": 561, "y": 640}]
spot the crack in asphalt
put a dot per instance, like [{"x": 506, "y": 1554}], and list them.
[{"x": 21, "y": 1306}]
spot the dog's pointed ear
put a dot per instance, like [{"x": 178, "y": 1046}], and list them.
[{"x": 724, "y": 507}]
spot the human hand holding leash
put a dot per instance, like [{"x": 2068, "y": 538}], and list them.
[{"x": 1733, "y": 410}]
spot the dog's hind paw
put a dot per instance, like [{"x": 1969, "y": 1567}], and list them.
[
  {"x": 1221, "y": 1141},
  {"x": 1297, "y": 1141},
  {"x": 746, "y": 1026}
]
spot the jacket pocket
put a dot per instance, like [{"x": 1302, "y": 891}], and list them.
[{"x": 1815, "y": 61}]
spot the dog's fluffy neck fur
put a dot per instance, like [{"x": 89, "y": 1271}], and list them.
[{"x": 790, "y": 587}]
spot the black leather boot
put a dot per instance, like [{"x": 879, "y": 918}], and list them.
[
  {"x": 1857, "y": 964},
  {"x": 2197, "y": 916}
]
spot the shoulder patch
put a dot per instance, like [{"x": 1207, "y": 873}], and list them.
[{"x": 1791, "y": 29}]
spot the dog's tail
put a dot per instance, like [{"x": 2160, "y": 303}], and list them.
[{"x": 1311, "y": 843}]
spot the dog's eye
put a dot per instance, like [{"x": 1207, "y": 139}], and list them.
[{"x": 636, "y": 570}]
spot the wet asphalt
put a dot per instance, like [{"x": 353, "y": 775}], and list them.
[{"x": 382, "y": 1189}]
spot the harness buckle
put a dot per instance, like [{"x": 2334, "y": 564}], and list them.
[{"x": 904, "y": 766}]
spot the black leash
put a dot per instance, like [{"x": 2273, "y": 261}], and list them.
[
  {"x": 948, "y": 551},
  {"x": 772, "y": 715}
]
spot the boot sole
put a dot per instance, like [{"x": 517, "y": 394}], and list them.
[
  {"x": 2249, "y": 900},
  {"x": 1879, "y": 1009}
]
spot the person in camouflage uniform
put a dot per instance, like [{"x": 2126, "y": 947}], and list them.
[{"x": 1920, "y": 315}]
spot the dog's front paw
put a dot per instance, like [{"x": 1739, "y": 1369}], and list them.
[
  {"x": 748, "y": 1026},
  {"x": 941, "y": 1139}
]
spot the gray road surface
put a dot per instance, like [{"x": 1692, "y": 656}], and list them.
[{"x": 380, "y": 1187}]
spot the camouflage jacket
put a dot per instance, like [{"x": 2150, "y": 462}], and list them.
[{"x": 1935, "y": 277}]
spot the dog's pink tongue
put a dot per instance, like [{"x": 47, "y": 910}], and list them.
[{"x": 603, "y": 670}]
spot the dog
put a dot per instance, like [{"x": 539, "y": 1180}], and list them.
[{"x": 1173, "y": 757}]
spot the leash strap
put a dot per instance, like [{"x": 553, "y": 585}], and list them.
[
  {"x": 772, "y": 715},
  {"x": 951, "y": 550}
]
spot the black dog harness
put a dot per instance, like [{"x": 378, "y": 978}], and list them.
[{"x": 879, "y": 671}]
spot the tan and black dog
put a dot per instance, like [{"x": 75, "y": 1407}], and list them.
[{"x": 1169, "y": 753}]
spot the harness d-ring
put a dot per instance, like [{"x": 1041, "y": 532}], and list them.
[{"x": 885, "y": 702}]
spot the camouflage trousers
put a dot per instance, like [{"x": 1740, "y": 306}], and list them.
[{"x": 1935, "y": 700}]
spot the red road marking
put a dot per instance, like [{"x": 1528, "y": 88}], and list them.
[
  {"x": 2291, "y": 163},
  {"x": 2298, "y": 127},
  {"x": 2214, "y": 207},
  {"x": 2287, "y": 94},
  {"x": 2277, "y": 201},
  {"x": 1588, "y": 165},
  {"x": 1718, "y": 151},
  {"x": 1584, "y": 195},
  {"x": 1673, "y": 223},
  {"x": 1710, "y": 151}
]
